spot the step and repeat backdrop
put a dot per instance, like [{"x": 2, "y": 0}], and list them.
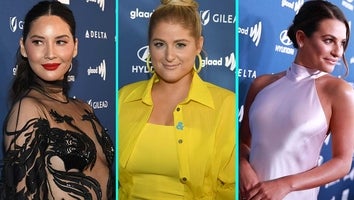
[
  {"x": 265, "y": 48},
  {"x": 92, "y": 78},
  {"x": 218, "y": 21}
]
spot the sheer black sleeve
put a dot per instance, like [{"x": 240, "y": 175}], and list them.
[{"x": 23, "y": 170}]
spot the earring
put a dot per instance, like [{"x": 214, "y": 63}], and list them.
[
  {"x": 148, "y": 66},
  {"x": 199, "y": 64},
  {"x": 71, "y": 67}
]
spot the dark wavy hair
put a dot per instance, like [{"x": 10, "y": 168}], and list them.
[
  {"x": 25, "y": 77},
  {"x": 309, "y": 17}
]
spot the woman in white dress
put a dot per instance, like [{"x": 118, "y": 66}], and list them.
[{"x": 288, "y": 115}]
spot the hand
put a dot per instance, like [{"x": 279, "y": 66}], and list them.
[
  {"x": 247, "y": 177},
  {"x": 269, "y": 190}
]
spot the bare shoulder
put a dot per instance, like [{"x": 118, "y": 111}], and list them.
[
  {"x": 335, "y": 88},
  {"x": 335, "y": 85}
]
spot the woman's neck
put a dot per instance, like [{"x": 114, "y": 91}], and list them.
[{"x": 52, "y": 89}]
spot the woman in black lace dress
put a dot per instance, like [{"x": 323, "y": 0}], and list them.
[{"x": 55, "y": 147}]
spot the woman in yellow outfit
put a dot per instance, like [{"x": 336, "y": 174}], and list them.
[{"x": 176, "y": 131}]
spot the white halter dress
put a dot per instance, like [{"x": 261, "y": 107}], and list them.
[{"x": 288, "y": 127}]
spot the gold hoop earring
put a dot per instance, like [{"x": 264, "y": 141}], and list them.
[
  {"x": 148, "y": 66},
  {"x": 200, "y": 64}
]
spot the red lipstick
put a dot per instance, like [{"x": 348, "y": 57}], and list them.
[{"x": 51, "y": 66}]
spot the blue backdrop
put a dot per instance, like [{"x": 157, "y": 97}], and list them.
[
  {"x": 265, "y": 48},
  {"x": 93, "y": 76}
]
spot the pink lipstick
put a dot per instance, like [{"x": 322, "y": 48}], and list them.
[{"x": 51, "y": 66}]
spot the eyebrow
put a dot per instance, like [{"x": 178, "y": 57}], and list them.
[
  {"x": 57, "y": 37},
  {"x": 175, "y": 41},
  {"x": 333, "y": 37}
]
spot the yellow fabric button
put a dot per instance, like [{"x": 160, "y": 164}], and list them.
[{"x": 183, "y": 179}]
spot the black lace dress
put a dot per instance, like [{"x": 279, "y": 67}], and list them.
[{"x": 55, "y": 148}]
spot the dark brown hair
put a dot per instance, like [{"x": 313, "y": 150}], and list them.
[{"x": 309, "y": 17}]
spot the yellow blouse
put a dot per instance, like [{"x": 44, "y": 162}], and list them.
[
  {"x": 154, "y": 165},
  {"x": 205, "y": 125}
]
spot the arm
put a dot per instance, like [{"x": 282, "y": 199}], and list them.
[
  {"x": 247, "y": 176},
  {"x": 225, "y": 186},
  {"x": 23, "y": 168},
  {"x": 341, "y": 126},
  {"x": 226, "y": 149}
]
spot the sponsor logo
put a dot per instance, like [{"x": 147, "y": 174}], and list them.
[
  {"x": 142, "y": 55},
  {"x": 98, "y": 104},
  {"x": 227, "y": 61},
  {"x": 212, "y": 62},
  {"x": 285, "y": 40},
  {"x": 224, "y": 19},
  {"x": 101, "y": 3},
  {"x": 14, "y": 70},
  {"x": 206, "y": 16},
  {"x": 100, "y": 70},
  {"x": 71, "y": 78},
  {"x": 140, "y": 69},
  {"x": 139, "y": 14},
  {"x": 348, "y": 4},
  {"x": 96, "y": 34},
  {"x": 247, "y": 73},
  {"x": 15, "y": 24},
  {"x": 292, "y": 5},
  {"x": 254, "y": 32},
  {"x": 67, "y": 2},
  {"x": 241, "y": 112},
  {"x": 230, "y": 61}
]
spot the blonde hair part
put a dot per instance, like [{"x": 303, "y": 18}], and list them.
[{"x": 184, "y": 12}]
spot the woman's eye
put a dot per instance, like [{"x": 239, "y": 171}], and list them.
[
  {"x": 328, "y": 41},
  {"x": 37, "y": 42},
  {"x": 344, "y": 43},
  {"x": 61, "y": 42},
  {"x": 158, "y": 44},
  {"x": 181, "y": 45}
]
